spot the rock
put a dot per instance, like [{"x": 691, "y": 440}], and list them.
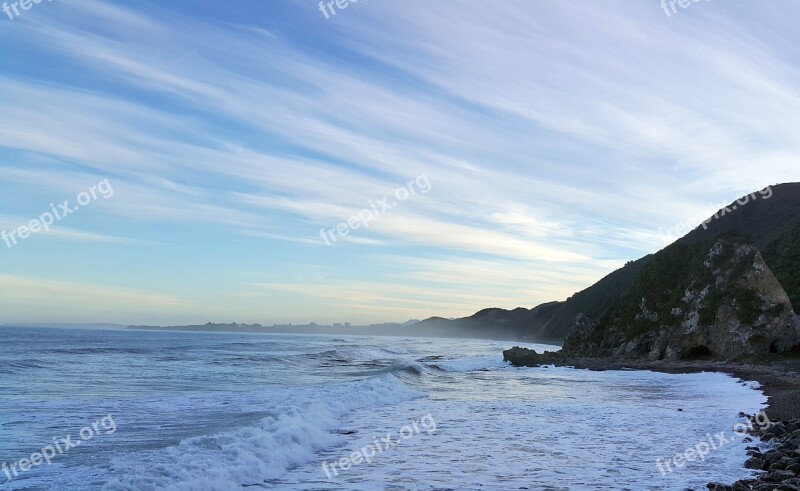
[
  {"x": 754, "y": 463},
  {"x": 524, "y": 357},
  {"x": 776, "y": 429},
  {"x": 579, "y": 340},
  {"x": 780, "y": 476},
  {"x": 777, "y": 466},
  {"x": 743, "y": 486}
]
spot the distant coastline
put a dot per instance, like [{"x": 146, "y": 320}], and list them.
[
  {"x": 411, "y": 328},
  {"x": 51, "y": 325}
]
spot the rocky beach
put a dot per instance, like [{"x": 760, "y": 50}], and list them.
[{"x": 779, "y": 379}]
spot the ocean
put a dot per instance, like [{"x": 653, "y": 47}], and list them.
[{"x": 147, "y": 410}]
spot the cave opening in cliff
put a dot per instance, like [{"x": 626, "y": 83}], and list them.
[
  {"x": 773, "y": 348},
  {"x": 696, "y": 352}
]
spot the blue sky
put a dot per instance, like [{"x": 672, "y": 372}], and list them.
[{"x": 560, "y": 140}]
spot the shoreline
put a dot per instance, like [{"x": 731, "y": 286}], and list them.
[{"x": 779, "y": 380}]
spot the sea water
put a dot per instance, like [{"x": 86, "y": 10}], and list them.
[{"x": 232, "y": 411}]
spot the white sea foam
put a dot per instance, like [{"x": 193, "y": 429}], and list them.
[
  {"x": 257, "y": 453},
  {"x": 553, "y": 428},
  {"x": 196, "y": 420}
]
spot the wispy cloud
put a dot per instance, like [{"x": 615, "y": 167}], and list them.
[{"x": 559, "y": 140}]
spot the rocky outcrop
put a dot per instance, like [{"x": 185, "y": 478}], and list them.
[
  {"x": 780, "y": 463},
  {"x": 581, "y": 339},
  {"x": 717, "y": 302},
  {"x": 524, "y": 357}
]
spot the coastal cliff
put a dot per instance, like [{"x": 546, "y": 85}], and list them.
[
  {"x": 694, "y": 301},
  {"x": 702, "y": 301}
]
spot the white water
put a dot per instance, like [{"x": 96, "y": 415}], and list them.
[{"x": 219, "y": 412}]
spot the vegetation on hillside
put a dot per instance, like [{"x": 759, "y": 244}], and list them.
[
  {"x": 783, "y": 257},
  {"x": 658, "y": 296}
]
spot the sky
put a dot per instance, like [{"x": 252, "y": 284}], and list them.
[{"x": 490, "y": 154}]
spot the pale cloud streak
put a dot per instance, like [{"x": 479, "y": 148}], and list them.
[{"x": 558, "y": 138}]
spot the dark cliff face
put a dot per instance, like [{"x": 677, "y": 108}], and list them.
[{"x": 706, "y": 299}]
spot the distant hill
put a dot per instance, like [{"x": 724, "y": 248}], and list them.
[
  {"x": 768, "y": 219},
  {"x": 494, "y": 323}
]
